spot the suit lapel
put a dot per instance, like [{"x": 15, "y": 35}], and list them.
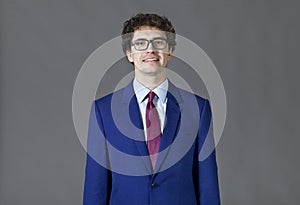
[
  {"x": 130, "y": 105},
  {"x": 171, "y": 124}
]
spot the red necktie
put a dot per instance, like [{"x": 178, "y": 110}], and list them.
[{"x": 153, "y": 129}]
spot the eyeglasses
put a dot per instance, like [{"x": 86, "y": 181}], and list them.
[{"x": 143, "y": 44}]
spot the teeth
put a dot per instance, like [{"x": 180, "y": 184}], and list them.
[{"x": 151, "y": 59}]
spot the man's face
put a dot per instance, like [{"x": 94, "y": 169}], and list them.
[{"x": 150, "y": 61}]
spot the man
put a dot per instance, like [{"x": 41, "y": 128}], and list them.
[{"x": 145, "y": 139}]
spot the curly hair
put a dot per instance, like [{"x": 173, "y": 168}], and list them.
[{"x": 152, "y": 20}]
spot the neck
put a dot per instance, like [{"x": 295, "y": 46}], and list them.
[{"x": 150, "y": 81}]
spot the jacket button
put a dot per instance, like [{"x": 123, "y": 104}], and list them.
[{"x": 154, "y": 185}]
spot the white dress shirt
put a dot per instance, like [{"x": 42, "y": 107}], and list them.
[{"x": 160, "y": 101}]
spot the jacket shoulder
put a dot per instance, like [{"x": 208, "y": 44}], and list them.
[
  {"x": 106, "y": 100},
  {"x": 186, "y": 95}
]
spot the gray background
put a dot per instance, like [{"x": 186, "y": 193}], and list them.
[{"x": 254, "y": 45}]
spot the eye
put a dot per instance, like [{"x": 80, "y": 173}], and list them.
[
  {"x": 159, "y": 43},
  {"x": 140, "y": 43}
]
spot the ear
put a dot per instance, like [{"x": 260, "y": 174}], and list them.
[
  {"x": 169, "y": 55},
  {"x": 129, "y": 56}
]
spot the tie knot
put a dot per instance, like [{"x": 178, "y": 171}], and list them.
[{"x": 151, "y": 96}]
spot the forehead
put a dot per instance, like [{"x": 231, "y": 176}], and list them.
[{"x": 148, "y": 32}]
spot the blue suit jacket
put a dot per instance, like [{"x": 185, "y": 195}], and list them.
[{"x": 118, "y": 170}]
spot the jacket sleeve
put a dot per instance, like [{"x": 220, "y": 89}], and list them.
[
  {"x": 97, "y": 185},
  {"x": 205, "y": 171}
]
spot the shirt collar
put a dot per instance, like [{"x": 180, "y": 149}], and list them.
[{"x": 141, "y": 91}]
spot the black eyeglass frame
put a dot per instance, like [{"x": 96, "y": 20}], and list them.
[{"x": 148, "y": 42}]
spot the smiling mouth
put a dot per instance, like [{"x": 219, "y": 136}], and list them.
[{"x": 151, "y": 60}]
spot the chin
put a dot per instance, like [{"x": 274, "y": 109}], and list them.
[{"x": 152, "y": 69}]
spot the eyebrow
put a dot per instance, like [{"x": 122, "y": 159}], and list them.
[{"x": 150, "y": 39}]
